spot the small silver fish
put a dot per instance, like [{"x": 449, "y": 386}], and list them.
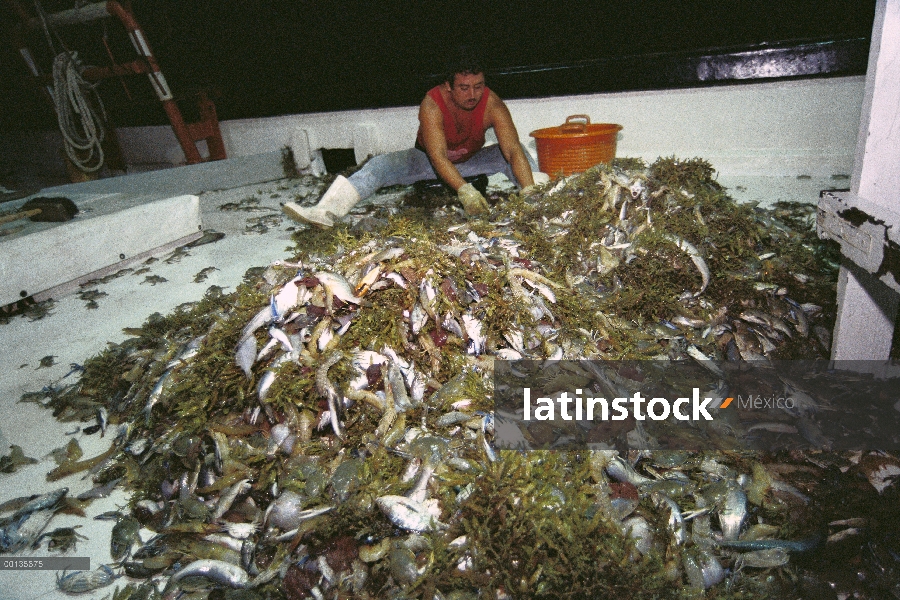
[
  {"x": 733, "y": 512},
  {"x": 282, "y": 337},
  {"x": 639, "y": 530},
  {"x": 258, "y": 320},
  {"x": 265, "y": 382},
  {"x": 417, "y": 318},
  {"x": 102, "y": 420},
  {"x": 229, "y": 496},
  {"x": 101, "y": 491},
  {"x": 219, "y": 571},
  {"x": 338, "y": 286},
  {"x": 388, "y": 254},
  {"x": 696, "y": 257},
  {"x": 190, "y": 350},
  {"x": 157, "y": 392},
  {"x": 245, "y": 354},
  {"x": 476, "y": 338},
  {"x": 676, "y": 520},
  {"x": 428, "y": 299},
  {"x": 395, "y": 379},
  {"x": 774, "y": 427},
  {"x": 411, "y": 515},
  {"x": 450, "y": 324},
  {"x": 620, "y": 470},
  {"x": 48, "y": 500}
]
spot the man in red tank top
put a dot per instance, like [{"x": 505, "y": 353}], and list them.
[{"x": 453, "y": 118}]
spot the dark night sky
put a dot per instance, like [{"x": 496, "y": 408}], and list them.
[{"x": 262, "y": 58}]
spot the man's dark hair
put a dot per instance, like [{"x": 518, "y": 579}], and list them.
[{"x": 463, "y": 61}]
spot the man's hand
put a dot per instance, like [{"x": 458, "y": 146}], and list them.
[{"x": 472, "y": 200}]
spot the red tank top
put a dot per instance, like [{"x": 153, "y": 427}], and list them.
[{"x": 465, "y": 134}]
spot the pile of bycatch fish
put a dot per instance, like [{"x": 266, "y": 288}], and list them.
[{"x": 325, "y": 431}]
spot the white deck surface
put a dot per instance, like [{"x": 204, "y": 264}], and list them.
[{"x": 73, "y": 333}]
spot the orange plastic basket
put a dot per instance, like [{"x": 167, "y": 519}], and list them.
[{"x": 574, "y": 147}]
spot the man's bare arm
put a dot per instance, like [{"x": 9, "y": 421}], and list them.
[
  {"x": 432, "y": 122},
  {"x": 497, "y": 115}
]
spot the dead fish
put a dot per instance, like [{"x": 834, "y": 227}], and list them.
[
  {"x": 101, "y": 491},
  {"x": 417, "y": 318},
  {"x": 773, "y": 427},
  {"x": 228, "y": 498},
  {"x": 428, "y": 299},
  {"x": 676, "y": 520},
  {"x": 282, "y": 337},
  {"x": 337, "y": 286},
  {"x": 450, "y": 324},
  {"x": 747, "y": 343},
  {"x": 688, "y": 322},
  {"x": 695, "y": 256},
  {"x": 396, "y": 278},
  {"x": 703, "y": 360},
  {"x": 326, "y": 389},
  {"x": 102, "y": 420},
  {"x": 733, "y": 512},
  {"x": 219, "y": 571},
  {"x": 411, "y": 515},
  {"x": 394, "y": 378},
  {"x": 388, "y": 254},
  {"x": 532, "y": 277},
  {"x": 763, "y": 559},
  {"x": 190, "y": 350},
  {"x": 639, "y": 530},
  {"x": 157, "y": 393},
  {"x": 266, "y": 350},
  {"x": 286, "y": 298},
  {"x": 797, "y": 316},
  {"x": 476, "y": 338},
  {"x": 711, "y": 570},
  {"x": 258, "y": 320},
  {"x": 245, "y": 354},
  {"x": 42, "y": 502},
  {"x": 265, "y": 382}
]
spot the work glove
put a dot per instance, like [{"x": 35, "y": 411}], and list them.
[{"x": 472, "y": 200}]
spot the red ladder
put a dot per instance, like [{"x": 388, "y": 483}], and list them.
[{"x": 188, "y": 134}]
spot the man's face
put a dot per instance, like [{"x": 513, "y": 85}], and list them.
[{"x": 467, "y": 90}]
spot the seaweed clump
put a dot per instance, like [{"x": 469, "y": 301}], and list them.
[{"x": 354, "y": 377}]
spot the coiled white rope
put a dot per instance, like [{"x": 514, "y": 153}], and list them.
[{"x": 80, "y": 113}]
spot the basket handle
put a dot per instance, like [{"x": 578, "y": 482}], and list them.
[{"x": 570, "y": 125}]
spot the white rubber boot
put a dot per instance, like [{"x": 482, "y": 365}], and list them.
[{"x": 335, "y": 203}]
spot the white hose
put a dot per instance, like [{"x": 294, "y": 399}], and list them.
[{"x": 77, "y": 113}]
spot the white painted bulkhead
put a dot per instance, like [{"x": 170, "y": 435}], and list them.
[{"x": 774, "y": 129}]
